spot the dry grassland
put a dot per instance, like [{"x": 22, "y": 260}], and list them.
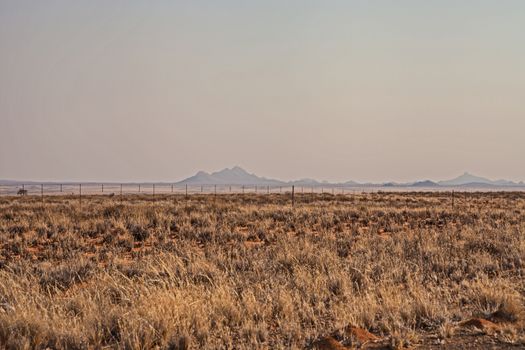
[{"x": 370, "y": 271}]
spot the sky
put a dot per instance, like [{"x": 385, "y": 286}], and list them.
[{"x": 381, "y": 90}]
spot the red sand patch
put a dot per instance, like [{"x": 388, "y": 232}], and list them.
[
  {"x": 360, "y": 334},
  {"x": 328, "y": 343},
  {"x": 481, "y": 324}
]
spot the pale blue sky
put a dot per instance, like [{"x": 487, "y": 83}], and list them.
[{"x": 337, "y": 90}]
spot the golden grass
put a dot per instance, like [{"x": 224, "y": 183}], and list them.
[{"x": 250, "y": 272}]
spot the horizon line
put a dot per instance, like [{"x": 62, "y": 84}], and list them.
[{"x": 264, "y": 178}]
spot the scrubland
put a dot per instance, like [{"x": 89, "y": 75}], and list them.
[{"x": 251, "y": 272}]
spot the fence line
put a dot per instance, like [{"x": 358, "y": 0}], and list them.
[
  {"x": 43, "y": 189},
  {"x": 112, "y": 189}
]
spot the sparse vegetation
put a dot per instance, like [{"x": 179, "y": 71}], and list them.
[{"x": 251, "y": 272}]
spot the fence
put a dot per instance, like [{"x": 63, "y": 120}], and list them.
[
  {"x": 120, "y": 190},
  {"x": 163, "y": 188},
  {"x": 57, "y": 189}
]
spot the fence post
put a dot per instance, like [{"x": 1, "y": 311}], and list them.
[
  {"x": 139, "y": 188},
  {"x": 215, "y": 189},
  {"x": 42, "y": 192},
  {"x": 186, "y": 191},
  {"x": 293, "y": 195},
  {"x": 268, "y": 189},
  {"x": 172, "y": 188},
  {"x": 120, "y": 193},
  {"x": 242, "y": 189},
  {"x": 153, "y": 190},
  {"x": 230, "y": 189},
  {"x": 60, "y": 187},
  {"x": 452, "y": 199},
  {"x": 255, "y": 188},
  {"x": 80, "y": 195},
  {"x": 201, "y": 188},
  {"x": 102, "y": 188}
]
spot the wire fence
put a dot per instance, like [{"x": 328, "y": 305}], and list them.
[
  {"x": 80, "y": 190},
  {"x": 43, "y": 189},
  {"x": 111, "y": 189}
]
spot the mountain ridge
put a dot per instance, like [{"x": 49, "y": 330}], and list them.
[{"x": 238, "y": 176}]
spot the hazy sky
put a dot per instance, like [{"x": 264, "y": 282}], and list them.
[{"x": 335, "y": 90}]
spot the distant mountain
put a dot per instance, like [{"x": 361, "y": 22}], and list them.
[
  {"x": 305, "y": 182},
  {"x": 233, "y": 176},
  {"x": 9, "y": 182},
  {"x": 426, "y": 183},
  {"x": 239, "y": 176},
  {"x": 471, "y": 180},
  {"x": 351, "y": 183},
  {"x": 464, "y": 179}
]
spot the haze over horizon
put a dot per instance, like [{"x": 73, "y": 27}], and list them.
[
  {"x": 332, "y": 90},
  {"x": 237, "y": 175}
]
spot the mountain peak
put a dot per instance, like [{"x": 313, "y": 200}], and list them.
[
  {"x": 237, "y": 169},
  {"x": 464, "y": 179},
  {"x": 469, "y": 179},
  {"x": 230, "y": 176}
]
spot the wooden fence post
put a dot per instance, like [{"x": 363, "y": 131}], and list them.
[
  {"x": 42, "y": 192},
  {"x": 293, "y": 195},
  {"x": 80, "y": 195},
  {"x": 120, "y": 193}
]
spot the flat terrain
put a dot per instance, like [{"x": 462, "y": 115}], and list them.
[{"x": 370, "y": 271}]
